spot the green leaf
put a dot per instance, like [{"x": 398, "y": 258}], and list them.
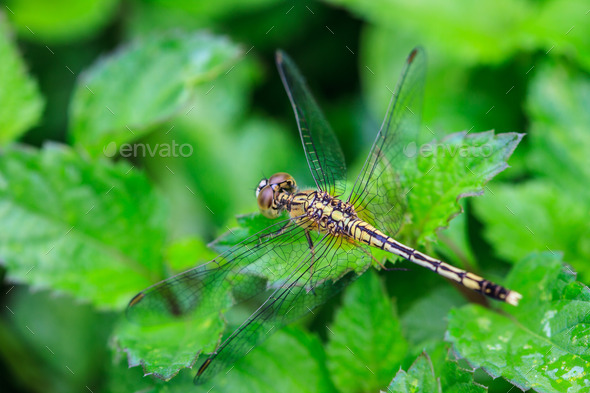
[
  {"x": 515, "y": 227},
  {"x": 453, "y": 377},
  {"x": 163, "y": 349},
  {"x": 214, "y": 143},
  {"x": 92, "y": 229},
  {"x": 235, "y": 298},
  {"x": 188, "y": 253},
  {"x": 559, "y": 144},
  {"x": 544, "y": 343},
  {"x": 143, "y": 85},
  {"x": 426, "y": 320},
  {"x": 366, "y": 343},
  {"x": 249, "y": 224},
  {"x": 485, "y": 31},
  {"x": 488, "y": 38},
  {"x": 559, "y": 138},
  {"x": 555, "y": 26},
  {"x": 36, "y": 321},
  {"x": 458, "y": 166},
  {"x": 419, "y": 378},
  {"x": 120, "y": 378},
  {"x": 454, "y": 241},
  {"x": 59, "y": 22},
  {"x": 291, "y": 359},
  {"x": 21, "y": 102},
  {"x": 212, "y": 10},
  {"x": 441, "y": 374}
]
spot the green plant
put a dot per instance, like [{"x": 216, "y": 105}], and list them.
[{"x": 90, "y": 216}]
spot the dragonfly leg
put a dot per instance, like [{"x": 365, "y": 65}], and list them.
[{"x": 394, "y": 269}]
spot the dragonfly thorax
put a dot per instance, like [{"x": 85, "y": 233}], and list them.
[{"x": 329, "y": 214}]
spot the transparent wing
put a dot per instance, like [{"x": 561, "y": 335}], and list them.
[
  {"x": 322, "y": 150},
  {"x": 336, "y": 264},
  {"x": 226, "y": 280},
  {"x": 274, "y": 272},
  {"x": 377, "y": 194}
]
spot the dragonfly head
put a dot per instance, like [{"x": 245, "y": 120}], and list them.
[{"x": 269, "y": 190}]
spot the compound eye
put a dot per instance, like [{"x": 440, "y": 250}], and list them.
[
  {"x": 265, "y": 197},
  {"x": 278, "y": 178},
  {"x": 285, "y": 181},
  {"x": 263, "y": 183}
]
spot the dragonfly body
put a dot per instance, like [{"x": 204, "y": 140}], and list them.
[
  {"x": 323, "y": 238},
  {"x": 318, "y": 210}
]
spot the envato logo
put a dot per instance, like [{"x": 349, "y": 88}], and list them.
[
  {"x": 412, "y": 150},
  {"x": 146, "y": 150}
]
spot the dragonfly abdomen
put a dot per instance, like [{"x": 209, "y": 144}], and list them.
[{"x": 366, "y": 233}]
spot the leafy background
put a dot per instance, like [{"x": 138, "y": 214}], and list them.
[{"x": 83, "y": 227}]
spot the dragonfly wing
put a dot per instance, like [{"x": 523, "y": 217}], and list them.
[
  {"x": 309, "y": 285},
  {"x": 322, "y": 150},
  {"x": 238, "y": 273},
  {"x": 377, "y": 194}
]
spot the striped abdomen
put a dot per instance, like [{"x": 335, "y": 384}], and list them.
[{"x": 367, "y": 234}]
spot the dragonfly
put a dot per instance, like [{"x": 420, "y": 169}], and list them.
[{"x": 321, "y": 239}]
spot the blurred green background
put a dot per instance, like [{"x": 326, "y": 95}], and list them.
[{"x": 79, "y": 217}]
